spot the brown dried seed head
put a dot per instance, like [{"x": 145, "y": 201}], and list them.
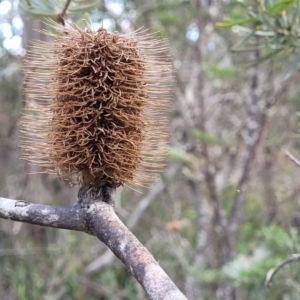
[{"x": 97, "y": 105}]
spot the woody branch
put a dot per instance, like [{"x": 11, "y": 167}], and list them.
[{"x": 99, "y": 220}]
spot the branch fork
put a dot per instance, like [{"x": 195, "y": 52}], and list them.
[{"x": 98, "y": 218}]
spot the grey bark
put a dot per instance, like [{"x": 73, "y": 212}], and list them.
[{"x": 98, "y": 218}]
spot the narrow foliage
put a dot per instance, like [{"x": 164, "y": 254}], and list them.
[{"x": 97, "y": 105}]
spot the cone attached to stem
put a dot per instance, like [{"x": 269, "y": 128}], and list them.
[{"x": 97, "y": 106}]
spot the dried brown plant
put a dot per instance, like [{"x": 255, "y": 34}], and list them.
[{"x": 97, "y": 105}]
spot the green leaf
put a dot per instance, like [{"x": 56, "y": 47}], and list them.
[
  {"x": 46, "y": 8},
  {"x": 179, "y": 155},
  {"x": 83, "y": 7},
  {"x": 268, "y": 20},
  {"x": 241, "y": 3},
  {"x": 206, "y": 276},
  {"x": 206, "y": 138},
  {"x": 220, "y": 71},
  {"x": 277, "y": 239},
  {"x": 292, "y": 68},
  {"x": 266, "y": 57},
  {"x": 243, "y": 40},
  {"x": 265, "y": 33},
  {"x": 280, "y": 6},
  {"x": 228, "y": 22},
  {"x": 295, "y": 18},
  {"x": 241, "y": 268}
]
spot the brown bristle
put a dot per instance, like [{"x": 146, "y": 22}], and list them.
[{"x": 97, "y": 104}]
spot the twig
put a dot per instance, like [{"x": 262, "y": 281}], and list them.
[
  {"x": 254, "y": 129},
  {"x": 265, "y": 124},
  {"x": 62, "y": 14},
  {"x": 292, "y": 158},
  {"x": 273, "y": 271},
  {"x": 99, "y": 263},
  {"x": 293, "y": 283},
  {"x": 107, "y": 257},
  {"x": 99, "y": 219},
  {"x": 103, "y": 289},
  {"x": 201, "y": 122},
  {"x": 43, "y": 215}
]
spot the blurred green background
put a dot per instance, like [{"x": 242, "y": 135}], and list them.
[{"x": 226, "y": 209}]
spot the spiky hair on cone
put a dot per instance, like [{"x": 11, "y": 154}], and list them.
[{"x": 97, "y": 105}]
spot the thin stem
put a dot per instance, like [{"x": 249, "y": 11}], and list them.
[
  {"x": 292, "y": 158},
  {"x": 273, "y": 271},
  {"x": 98, "y": 218},
  {"x": 62, "y": 14},
  {"x": 254, "y": 129},
  {"x": 43, "y": 215}
]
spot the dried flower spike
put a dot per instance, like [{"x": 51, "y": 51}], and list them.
[{"x": 97, "y": 105}]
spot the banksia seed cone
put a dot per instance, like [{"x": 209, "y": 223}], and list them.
[{"x": 97, "y": 105}]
